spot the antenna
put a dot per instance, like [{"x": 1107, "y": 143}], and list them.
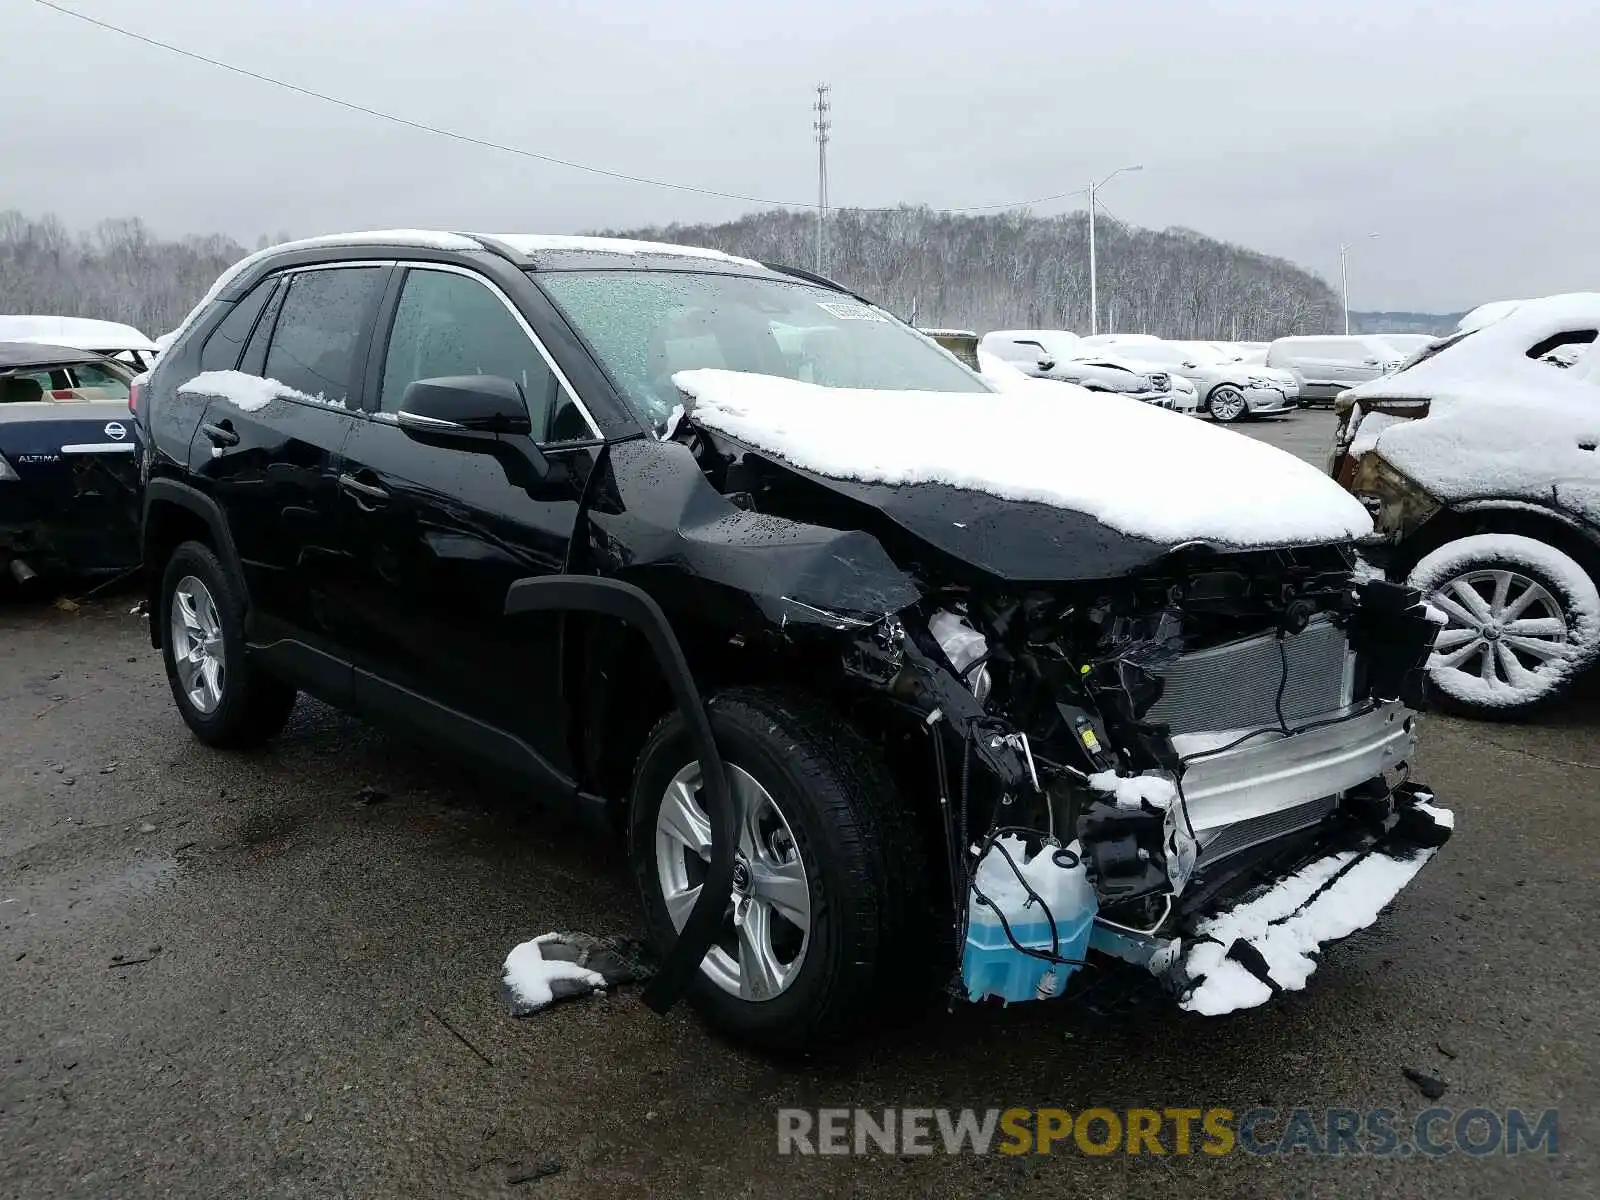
[{"x": 822, "y": 125}]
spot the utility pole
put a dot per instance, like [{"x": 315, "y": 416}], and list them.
[
  {"x": 1094, "y": 271},
  {"x": 1094, "y": 281},
  {"x": 822, "y": 125},
  {"x": 1344, "y": 280}
]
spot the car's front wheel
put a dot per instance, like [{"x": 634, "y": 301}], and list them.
[
  {"x": 1227, "y": 404},
  {"x": 1523, "y": 621},
  {"x": 223, "y": 698},
  {"x": 829, "y": 919}
]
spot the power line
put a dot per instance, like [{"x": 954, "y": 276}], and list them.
[
  {"x": 487, "y": 144},
  {"x": 407, "y": 122}
]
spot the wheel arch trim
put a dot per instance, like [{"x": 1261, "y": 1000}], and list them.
[
  {"x": 634, "y": 606},
  {"x": 159, "y": 492}
]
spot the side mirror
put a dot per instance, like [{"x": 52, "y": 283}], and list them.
[
  {"x": 464, "y": 404},
  {"x": 1047, "y": 364}
]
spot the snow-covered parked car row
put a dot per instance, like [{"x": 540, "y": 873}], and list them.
[
  {"x": 1480, "y": 462},
  {"x": 1188, "y": 377}
]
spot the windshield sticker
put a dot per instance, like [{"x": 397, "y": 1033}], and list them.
[{"x": 851, "y": 312}]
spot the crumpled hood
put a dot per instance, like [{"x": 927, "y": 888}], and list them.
[{"x": 1036, "y": 474}]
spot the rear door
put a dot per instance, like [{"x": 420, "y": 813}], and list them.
[
  {"x": 440, "y": 531},
  {"x": 269, "y": 441}
]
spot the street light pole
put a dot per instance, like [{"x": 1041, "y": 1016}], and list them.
[
  {"x": 1344, "y": 280},
  {"x": 1094, "y": 265}
]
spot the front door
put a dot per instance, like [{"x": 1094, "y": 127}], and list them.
[
  {"x": 269, "y": 443},
  {"x": 442, "y": 529}
]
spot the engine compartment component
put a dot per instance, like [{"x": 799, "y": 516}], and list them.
[{"x": 1028, "y": 920}]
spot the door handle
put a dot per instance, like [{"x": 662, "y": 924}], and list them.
[
  {"x": 220, "y": 434},
  {"x": 363, "y": 491}
]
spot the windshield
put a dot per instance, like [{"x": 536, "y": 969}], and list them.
[{"x": 644, "y": 326}]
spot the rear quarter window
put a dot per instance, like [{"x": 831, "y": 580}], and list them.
[{"x": 226, "y": 342}]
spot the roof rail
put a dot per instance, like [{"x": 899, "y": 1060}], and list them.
[
  {"x": 813, "y": 277},
  {"x": 495, "y": 246}
]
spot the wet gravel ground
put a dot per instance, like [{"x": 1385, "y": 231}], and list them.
[{"x": 276, "y": 975}]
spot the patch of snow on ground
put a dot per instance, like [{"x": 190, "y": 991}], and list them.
[
  {"x": 1129, "y": 791},
  {"x": 529, "y": 976},
  {"x": 1287, "y": 934},
  {"x": 1131, "y": 466}
]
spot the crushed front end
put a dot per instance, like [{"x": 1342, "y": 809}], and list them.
[{"x": 1203, "y": 770}]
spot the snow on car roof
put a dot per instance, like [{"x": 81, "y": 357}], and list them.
[
  {"x": 80, "y": 333},
  {"x": 1138, "y": 469},
  {"x": 431, "y": 239},
  {"x": 1499, "y": 423},
  {"x": 533, "y": 243},
  {"x": 522, "y": 243}
]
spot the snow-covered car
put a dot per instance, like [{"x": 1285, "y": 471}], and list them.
[
  {"x": 1408, "y": 344},
  {"x": 1106, "y": 340},
  {"x": 1185, "y": 396},
  {"x": 1479, "y": 461},
  {"x": 68, "y": 462},
  {"x": 897, "y": 683},
  {"x": 1228, "y": 389},
  {"x": 1326, "y": 365},
  {"x": 110, "y": 338},
  {"x": 1066, "y": 358}
]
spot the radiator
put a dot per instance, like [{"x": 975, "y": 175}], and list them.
[{"x": 1233, "y": 686}]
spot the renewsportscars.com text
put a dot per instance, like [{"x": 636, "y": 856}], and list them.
[{"x": 1378, "y": 1132}]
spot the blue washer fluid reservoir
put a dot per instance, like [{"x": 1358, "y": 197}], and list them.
[{"x": 990, "y": 964}]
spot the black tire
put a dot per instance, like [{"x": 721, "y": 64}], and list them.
[
  {"x": 254, "y": 705},
  {"x": 1453, "y": 574},
  {"x": 872, "y": 938},
  {"x": 1241, "y": 413}
]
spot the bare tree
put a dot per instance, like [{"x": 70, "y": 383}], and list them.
[{"x": 1015, "y": 269}]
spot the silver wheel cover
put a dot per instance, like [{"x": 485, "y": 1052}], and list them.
[
  {"x": 768, "y": 929},
  {"x": 195, "y": 631}
]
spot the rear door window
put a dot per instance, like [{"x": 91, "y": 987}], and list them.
[{"x": 317, "y": 342}]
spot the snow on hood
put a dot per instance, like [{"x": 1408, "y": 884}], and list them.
[
  {"x": 1138, "y": 469},
  {"x": 1499, "y": 423}
]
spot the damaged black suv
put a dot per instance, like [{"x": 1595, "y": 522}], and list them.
[{"x": 598, "y": 515}]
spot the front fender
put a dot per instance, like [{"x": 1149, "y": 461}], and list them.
[{"x": 623, "y": 601}]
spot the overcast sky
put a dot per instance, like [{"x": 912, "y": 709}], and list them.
[{"x": 1461, "y": 132}]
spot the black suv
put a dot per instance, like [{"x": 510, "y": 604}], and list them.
[{"x": 448, "y": 482}]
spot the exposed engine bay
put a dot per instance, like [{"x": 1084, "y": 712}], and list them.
[
  {"x": 1130, "y": 750},
  {"x": 1121, "y": 740}
]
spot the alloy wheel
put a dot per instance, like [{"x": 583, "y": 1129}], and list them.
[
  {"x": 1228, "y": 404},
  {"x": 1505, "y": 630},
  {"x": 197, "y": 644},
  {"x": 762, "y": 945}
]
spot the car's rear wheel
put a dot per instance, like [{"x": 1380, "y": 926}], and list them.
[
  {"x": 1523, "y": 622},
  {"x": 223, "y": 698},
  {"x": 1227, "y": 404},
  {"x": 829, "y": 919}
]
